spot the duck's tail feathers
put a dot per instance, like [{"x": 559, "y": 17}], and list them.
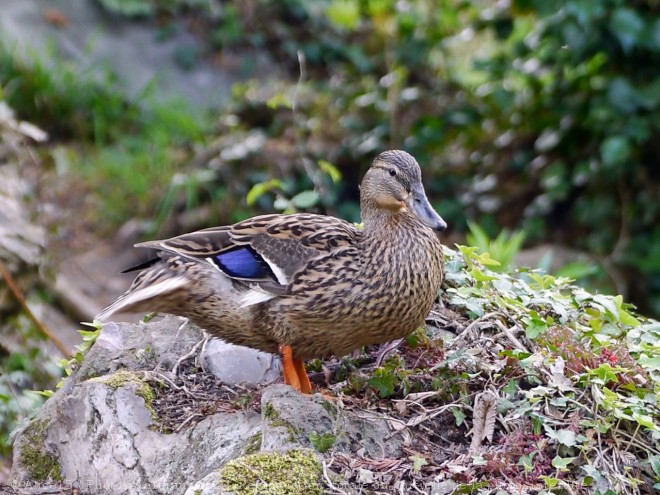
[{"x": 142, "y": 297}]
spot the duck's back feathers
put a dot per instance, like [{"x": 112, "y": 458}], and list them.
[{"x": 262, "y": 255}]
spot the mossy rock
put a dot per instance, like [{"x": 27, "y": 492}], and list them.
[
  {"x": 273, "y": 416},
  {"x": 33, "y": 456},
  {"x": 143, "y": 390},
  {"x": 274, "y": 473},
  {"x": 254, "y": 444}
]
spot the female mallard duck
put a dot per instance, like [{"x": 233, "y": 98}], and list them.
[{"x": 305, "y": 285}]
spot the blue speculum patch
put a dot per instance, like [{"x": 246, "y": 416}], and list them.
[{"x": 242, "y": 263}]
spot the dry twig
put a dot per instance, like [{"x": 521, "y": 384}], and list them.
[{"x": 41, "y": 326}]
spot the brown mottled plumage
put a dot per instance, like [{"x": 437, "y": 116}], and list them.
[{"x": 315, "y": 283}]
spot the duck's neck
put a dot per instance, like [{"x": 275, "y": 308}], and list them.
[{"x": 381, "y": 223}]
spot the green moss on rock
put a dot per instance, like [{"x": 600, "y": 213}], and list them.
[
  {"x": 275, "y": 420},
  {"x": 254, "y": 444},
  {"x": 33, "y": 455},
  {"x": 274, "y": 473},
  {"x": 143, "y": 390},
  {"x": 329, "y": 407}
]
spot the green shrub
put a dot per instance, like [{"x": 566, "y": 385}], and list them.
[{"x": 64, "y": 100}]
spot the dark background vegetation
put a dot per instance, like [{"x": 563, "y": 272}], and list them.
[
  {"x": 533, "y": 116},
  {"x": 540, "y": 116}
]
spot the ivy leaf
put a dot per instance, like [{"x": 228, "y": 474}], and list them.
[
  {"x": 654, "y": 461},
  {"x": 625, "y": 317},
  {"x": 384, "y": 381},
  {"x": 480, "y": 276},
  {"x": 526, "y": 461},
  {"x": 459, "y": 415},
  {"x": 511, "y": 387},
  {"x": 535, "y": 329},
  {"x": 564, "y": 437},
  {"x": 561, "y": 463},
  {"x": 305, "y": 199},
  {"x": 418, "y": 463},
  {"x": 621, "y": 414},
  {"x": 645, "y": 420},
  {"x": 606, "y": 373},
  {"x": 592, "y": 472},
  {"x": 486, "y": 260},
  {"x": 550, "y": 482},
  {"x": 650, "y": 363},
  {"x": 322, "y": 442}
]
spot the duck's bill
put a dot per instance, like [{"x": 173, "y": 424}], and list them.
[{"x": 422, "y": 208}]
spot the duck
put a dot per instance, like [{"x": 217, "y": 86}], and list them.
[{"x": 305, "y": 285}]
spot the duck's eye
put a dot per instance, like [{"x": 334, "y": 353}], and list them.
[{"x": 392, "y": 172}]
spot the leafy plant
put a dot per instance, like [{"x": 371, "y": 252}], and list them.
[
  {"x": 24, "y": 365},
  {"x": 88, "y": 339},
  {"x": 322, "y": 442},
  {"x": 68, "y": 102},
  {"x": 593, "y": 347},
  {"x": 503, "y": 248}
]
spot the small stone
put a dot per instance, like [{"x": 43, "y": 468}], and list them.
[
  {"x": 365, "y": 476},
  {"x": 235, "y": 364},
  {"x": 443, "y": 487}
]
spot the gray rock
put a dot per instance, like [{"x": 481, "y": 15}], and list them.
[
  {"x": 234, "y": 364},
  {"x": 139, "y": 346},
  {"x": 98, "y": 438},
  {"x": 443, "y": 487},
  {"x": 206, "y": 486},
  {"x": 291, "y": 420},
  {"x": 365, "y": 476},
  {"x": 99, "y": 432}
]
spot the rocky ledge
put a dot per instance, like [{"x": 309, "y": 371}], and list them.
[{"x": 142, "y": 415}]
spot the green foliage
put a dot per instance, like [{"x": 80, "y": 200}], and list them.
[
  {"x": 570, "y": 374},
  {"x": 571, "y": 95},
  {"x": 67, "y": 102},
  {"x": 503, "y": 248},
  {"x": 145, "y": 166},
  {"x": 148, "y": 8},
  {"x": 129, "y": 8},
  {"x": 322, "y": 442},
  {"x": 591, "y": 356},
  {"x": 24, "y": 366},
  {"x": 344, "y": 14},
  {"x": 88, "y": 339},
  {"x": 391, "y": 378}
]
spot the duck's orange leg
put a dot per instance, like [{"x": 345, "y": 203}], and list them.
[
  {"x": 289, "y": 367},
  {"x": 305, "y": 385},
  {"x": 294, "y": 371}
]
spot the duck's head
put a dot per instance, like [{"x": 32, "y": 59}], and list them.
[{"x": 393, "y": 185}]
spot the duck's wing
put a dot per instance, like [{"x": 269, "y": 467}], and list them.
[
  {"x": 259, "y": 257},
  {"x": 263, "y": 252}
]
